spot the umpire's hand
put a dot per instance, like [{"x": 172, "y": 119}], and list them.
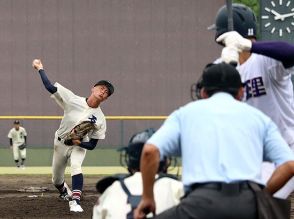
[
  {"x": 144, "y": 208},
  {"x": 37, "y": 64}
]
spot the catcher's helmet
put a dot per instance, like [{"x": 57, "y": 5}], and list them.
[
  {"x": 196, "y": 89},
  {"x": 243, "y": 18},
  {"x": 130, "y": 155}
]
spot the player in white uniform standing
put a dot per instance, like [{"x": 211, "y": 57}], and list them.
[
  {"x": 18, "y": 139},
  {"x": 121, "y": 193},
  {"x": 265, "y": 68},
  {"x": 76, "y": 110}
]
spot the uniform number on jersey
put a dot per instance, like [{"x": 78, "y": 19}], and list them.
[
  {"x": 254, "y": 88},
  {"x": 93, "y": 119}
]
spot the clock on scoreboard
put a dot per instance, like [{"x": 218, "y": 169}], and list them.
[{"x": 277, "y": 20}]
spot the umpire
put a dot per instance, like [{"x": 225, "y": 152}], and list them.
[{"x": 222, "y": 142}]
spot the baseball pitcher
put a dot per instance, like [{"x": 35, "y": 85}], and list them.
[
  {"x": 18, "y": 139},
  {"x": 82, "y": 125}
]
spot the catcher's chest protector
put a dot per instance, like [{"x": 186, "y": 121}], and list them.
[{"x": 133, "y": 200}]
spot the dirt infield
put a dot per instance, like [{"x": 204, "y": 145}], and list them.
[{"x": 46, "y": 204}]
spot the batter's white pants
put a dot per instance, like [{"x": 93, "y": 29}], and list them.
[
  {"x": 17, "y": 152},
  {"x": 61, "y": 155}
]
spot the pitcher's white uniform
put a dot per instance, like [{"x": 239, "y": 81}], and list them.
[
  {"x": 76, "y": 110},
  {"x": 18, "y": 138},
  {"x": 112, "y": 204}
]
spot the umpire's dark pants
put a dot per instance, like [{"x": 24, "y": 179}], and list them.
[{"x": 215, "y": 201}]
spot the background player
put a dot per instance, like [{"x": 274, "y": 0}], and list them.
[
  {"x": 266, "y": 69},
  {"x": 76, "y": 110},
  {"x": 18, "y": 140},
  {"x": 124, "y": 192}
]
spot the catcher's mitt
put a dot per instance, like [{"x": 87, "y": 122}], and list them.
[
  {"x": 79, "y": 131},
  {"x": 23, "y": 146}
]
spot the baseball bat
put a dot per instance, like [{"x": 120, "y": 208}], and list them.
[
  {"x": 230, "y": 15},
  {"x": 230, "y": 22}
]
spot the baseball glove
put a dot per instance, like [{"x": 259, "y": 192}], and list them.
[
  {"x": 23, "y": 146},
  {"x": 79, "y": 131}
]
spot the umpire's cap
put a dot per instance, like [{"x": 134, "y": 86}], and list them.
[
  {"x": 243, "y": 18},
  {"x": 221, "y": 76},
  {"x": 107, "y": 84}
]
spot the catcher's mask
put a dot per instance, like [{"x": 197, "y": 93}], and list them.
[
  {"x": 130, "y": 155},
  {"x": 195, "y": 89},
  {"x": 243, "y": 18}
]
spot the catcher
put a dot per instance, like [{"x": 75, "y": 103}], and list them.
[
  {"x": 120, "y": 194},
  {"x": 82, "y": 125}
]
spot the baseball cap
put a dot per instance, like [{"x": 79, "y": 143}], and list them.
[
  {"x": 107, "y": 84},
  {"x": 221, "y": 76},
  {"x": 16, "y": 122}
]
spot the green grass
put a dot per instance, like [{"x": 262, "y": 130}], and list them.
[
  {"x": 43, "y": 157},
  {"x": 39, "y": 161}
]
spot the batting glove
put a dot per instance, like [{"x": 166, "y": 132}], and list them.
[
  {"x": 234, "y": 39},
  {"x": 230, "y": 55}
]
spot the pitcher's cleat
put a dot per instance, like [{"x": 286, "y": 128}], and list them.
[
  {"x": 69, "y": 192},
  {"x": 65, "y": 196},
  {"x": 75, "y": 207}
]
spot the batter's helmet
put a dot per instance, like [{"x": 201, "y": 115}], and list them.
[
  {"x": 130, "y": 155},
  {"x": 243, "y": 18}
]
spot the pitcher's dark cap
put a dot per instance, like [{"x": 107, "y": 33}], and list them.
[
  {"x": 221, "y": 76},
  {"x": 16, "y": 122},
  {"x": 107, "y": 84}
]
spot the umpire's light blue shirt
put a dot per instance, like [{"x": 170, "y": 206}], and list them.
[{"x": 221, "y": 139}]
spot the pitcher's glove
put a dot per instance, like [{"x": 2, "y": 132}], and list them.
[
  {"x": 23, "y": 146},
  {"x": 79, "y": 131}
]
